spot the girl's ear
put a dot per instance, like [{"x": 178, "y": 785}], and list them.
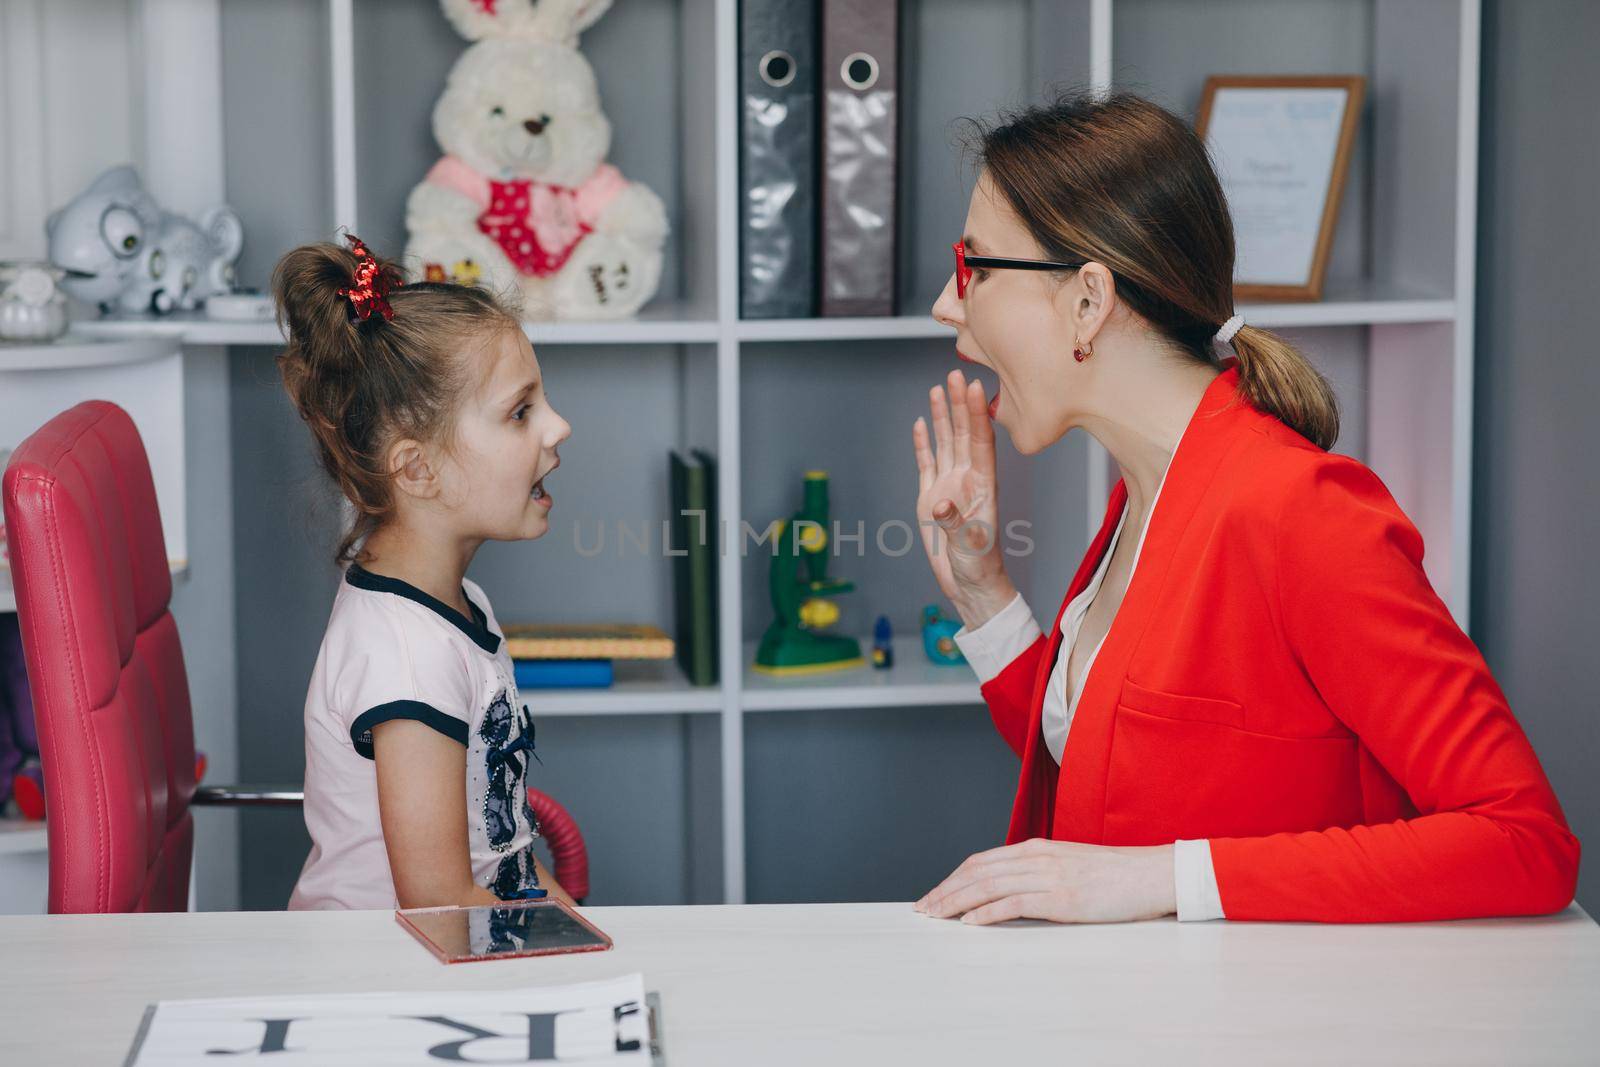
[{"x": 413, "y": 472}]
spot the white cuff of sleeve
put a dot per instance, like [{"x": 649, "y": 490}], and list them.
[
  {"x": 991, "y": 647},
  {"x": 1196, "y": 882}
]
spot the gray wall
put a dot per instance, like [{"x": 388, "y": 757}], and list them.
[
  {"x": 1536, "y": 602},
  {"x": 275, "y": 125},
  {"x": 285, "y": 527},
  {"x": 870, "y": 803},
  {"x": 276, "y": 132},
  {"x": 203, "y": 607}
]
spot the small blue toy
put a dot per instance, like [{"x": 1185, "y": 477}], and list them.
[
  {"x": 882, "y": 644},
  {"x": 939, "y": 637}
]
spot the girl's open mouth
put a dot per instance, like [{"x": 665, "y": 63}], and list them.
[
  {"x": 538, "y": 492},
  {"x": 994, "y": 403}
]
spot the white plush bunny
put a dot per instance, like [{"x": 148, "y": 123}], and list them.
[
  {"x": 523, "y": 199},
  {"x": 551, "y": 20}
]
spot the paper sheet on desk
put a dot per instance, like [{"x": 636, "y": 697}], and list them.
[{"x": 589, "y": 1023}]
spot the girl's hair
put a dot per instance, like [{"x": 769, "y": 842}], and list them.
[
  {"x": 361, "y": 385},
  {"x": 1118, "y": 180}
]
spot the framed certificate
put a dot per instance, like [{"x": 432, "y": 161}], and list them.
[{"x": 1281, "y": 146}]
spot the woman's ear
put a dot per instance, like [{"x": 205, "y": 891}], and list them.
[
  {"x": 1094, "y": 298},
  {"x": 412, "y": 470}
]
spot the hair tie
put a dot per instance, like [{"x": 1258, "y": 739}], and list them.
[
  {"x": 1229, "y": 328},
  {"x": 371, "y": 286}
]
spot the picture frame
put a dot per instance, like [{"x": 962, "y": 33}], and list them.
[{"x": 1281, "y": 146}]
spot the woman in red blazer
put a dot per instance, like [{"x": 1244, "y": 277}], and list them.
[{"x": 1251, "y": 704}]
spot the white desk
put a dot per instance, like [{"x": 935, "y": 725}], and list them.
[{"x": 878, "y": 984}]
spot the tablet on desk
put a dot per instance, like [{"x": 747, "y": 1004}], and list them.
[{"x": 502, "y": 931}]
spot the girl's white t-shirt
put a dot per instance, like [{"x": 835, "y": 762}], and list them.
[{"x": 392, "y": 651}]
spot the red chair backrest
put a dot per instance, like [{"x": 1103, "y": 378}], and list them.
[
  {"x": 567, "y": 849},
  {"x": 111, "y": 698}
]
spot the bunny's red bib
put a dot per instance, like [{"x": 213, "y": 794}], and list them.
[{"x": 536, "y": 225}]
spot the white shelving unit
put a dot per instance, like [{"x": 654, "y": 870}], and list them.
[
  {"x": 140, "y": 370},
  {"x": 657, "y": 324},
  {"x": 657, "y": 689},
  {"x": 913, "y": 682},
  {"x": 1400, "y": 295},
  {"x": 1344, "y": 304}
]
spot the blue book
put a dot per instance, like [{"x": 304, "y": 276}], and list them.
[{"x": 563, "y": 673}]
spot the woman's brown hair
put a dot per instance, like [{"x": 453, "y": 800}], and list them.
[
  {"x": 361, "y": 385},
  {"x": 1120, "y": 181}
]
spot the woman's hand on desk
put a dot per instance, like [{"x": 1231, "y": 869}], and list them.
[
  {"x": 1060, "y": 881},
  {"x": 957, "y": 511}
]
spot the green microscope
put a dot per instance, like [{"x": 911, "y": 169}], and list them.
[{"x": 801, "y": 590}]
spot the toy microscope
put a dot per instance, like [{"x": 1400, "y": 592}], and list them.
[{"x": 801, "y": 590}]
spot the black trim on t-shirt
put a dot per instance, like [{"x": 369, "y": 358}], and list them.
[
  {"x": 476, "y": 627},
  {"x": 361, "y": 729}
]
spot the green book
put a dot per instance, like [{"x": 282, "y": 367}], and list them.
[
  {"x": 694, "y": 564},
  {"x": 707, "y": 556}
]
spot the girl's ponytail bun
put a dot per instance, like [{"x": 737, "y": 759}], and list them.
[{"x": 324, "y": 338}]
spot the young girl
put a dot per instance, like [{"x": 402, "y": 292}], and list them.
[{"x": 427, "y": 408}]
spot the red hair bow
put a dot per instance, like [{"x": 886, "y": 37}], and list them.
[{"x": 372, "y": 285}]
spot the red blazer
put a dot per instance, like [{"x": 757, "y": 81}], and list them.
[{"x": 1282, "y": 679}]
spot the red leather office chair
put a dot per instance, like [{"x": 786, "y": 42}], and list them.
[
  {"x": 111, "y": 698},
  {"x": 110, "y": 695}
]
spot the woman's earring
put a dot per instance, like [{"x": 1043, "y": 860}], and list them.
[{"x": 1081, "y": 352}]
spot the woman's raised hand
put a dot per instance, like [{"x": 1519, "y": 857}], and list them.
[{"x": 957, "y": 508}]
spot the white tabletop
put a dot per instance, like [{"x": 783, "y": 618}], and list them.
[{"x": 878, "y": 984}]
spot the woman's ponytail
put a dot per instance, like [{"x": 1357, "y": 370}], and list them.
[{"x": 1278, "y": 380}]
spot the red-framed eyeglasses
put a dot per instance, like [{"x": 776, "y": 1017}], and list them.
[{"x": 965, "y": 264}]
